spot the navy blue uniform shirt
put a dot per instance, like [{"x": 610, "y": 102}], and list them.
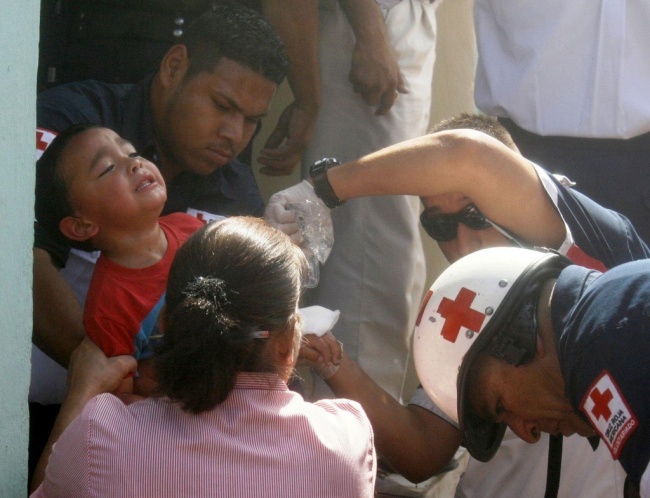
[{"x": 602, "y": 329}]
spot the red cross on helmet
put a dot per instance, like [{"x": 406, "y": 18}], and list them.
[{"x": 484, "y": 302}]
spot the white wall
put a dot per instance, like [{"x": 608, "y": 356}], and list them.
[{"x": 19, "y": 40}]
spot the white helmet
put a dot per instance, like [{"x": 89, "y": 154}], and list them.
[{"x": 484, "y": 302}]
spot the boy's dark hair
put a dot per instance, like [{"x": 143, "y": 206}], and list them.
[
  {"x": 479, "y": 122},
  {"x": 229, "y": 281},
  {"x": 52, "y": 202},
  {"x": 239, "y": 34}
]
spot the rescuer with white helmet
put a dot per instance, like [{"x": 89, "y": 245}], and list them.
[
  {"x": 523, "y": 338},
  {"x": 485, "y": 302}
]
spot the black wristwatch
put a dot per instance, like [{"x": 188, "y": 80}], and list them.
[{"x": 322, "y": 186}]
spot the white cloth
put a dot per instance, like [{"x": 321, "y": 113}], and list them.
[
  {"x": 318, "y": 320},
  {"x": 577, "y": 68},
  {"x": 375, "y": 273}
]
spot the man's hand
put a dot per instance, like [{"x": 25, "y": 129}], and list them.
[
  {"x": 288, "y": 141},
  {"x": 375, "y": 75}
]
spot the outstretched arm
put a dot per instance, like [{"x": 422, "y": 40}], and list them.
[
  {"x": 414, "y": 441},
  {"x": 296, "y": 22},
  {"x": 502, "y": 183}
]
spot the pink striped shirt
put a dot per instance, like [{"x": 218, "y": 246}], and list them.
[{"x": 264, "y": 440}]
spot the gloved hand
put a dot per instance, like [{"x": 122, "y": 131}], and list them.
[{"x": 278, "y": 214}]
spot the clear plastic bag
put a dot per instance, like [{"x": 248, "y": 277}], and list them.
[{"x": 315, "y": 224}]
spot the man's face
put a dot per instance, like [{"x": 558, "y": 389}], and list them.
[
  {"x": 108, "y": 183},
  {"x": 210, "y": 118},
  {"x": 523, "y": 397},
  {"x": 467, "y": 240}
]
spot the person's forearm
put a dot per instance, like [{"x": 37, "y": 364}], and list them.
[
  {"x": 366, "y": 20},
  {"x": 414, "y": 441},
  {"x": 296, "y": 22},
  {"x": 57, "y": 314}
]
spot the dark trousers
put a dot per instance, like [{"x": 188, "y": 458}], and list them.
[{"x": 615, "y": 173}]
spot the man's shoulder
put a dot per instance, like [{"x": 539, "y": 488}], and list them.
[
  {"x": 603, "y": 233},
  {"x": 89, "y": 101}
]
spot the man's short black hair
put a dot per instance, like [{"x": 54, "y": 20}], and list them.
[
  {"x": 480, "y": 122},
  {"x": 52, "y": 202},
  {"x": 239, "y": 34}
]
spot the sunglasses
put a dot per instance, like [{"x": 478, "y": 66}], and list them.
[{"x": 444, "y": 227}]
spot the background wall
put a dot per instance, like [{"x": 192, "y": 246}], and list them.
[
  {"x": 19, "y": 39},
  {"x": 453, "y": 93}
]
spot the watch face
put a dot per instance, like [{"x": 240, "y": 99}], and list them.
[{"x": 322, "y": 165}]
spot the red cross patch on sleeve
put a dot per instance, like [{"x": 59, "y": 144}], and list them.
[
  {"x": 609, "y": 413},
  {"x": 204, "y": 216},
  {"x": 43, "y": 139}
]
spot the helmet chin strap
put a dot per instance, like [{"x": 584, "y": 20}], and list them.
[{"x": 554, "y": 465}]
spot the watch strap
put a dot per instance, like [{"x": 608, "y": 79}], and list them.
[{"x": 322, "y": 186}]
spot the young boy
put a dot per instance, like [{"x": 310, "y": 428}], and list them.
[{"x": 93, "y": 190}]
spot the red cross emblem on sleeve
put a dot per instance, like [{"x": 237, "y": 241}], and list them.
[
  {"x": 458, "y": 313},
  {"x": 601, "y": 403},
  {"x": 609, "y": 413}
]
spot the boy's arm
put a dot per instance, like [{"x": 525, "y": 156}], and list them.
[{"x": 57, "y": 315}]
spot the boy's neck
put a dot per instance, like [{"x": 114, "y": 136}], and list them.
[{"x": 137, "y": 250}]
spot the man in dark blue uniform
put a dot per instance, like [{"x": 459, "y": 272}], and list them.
[
  {"x": 192, "y": 118},
  {"x": 552, "y": 347}
]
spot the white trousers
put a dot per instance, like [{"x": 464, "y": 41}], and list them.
[{"x": 375, "y": 273}]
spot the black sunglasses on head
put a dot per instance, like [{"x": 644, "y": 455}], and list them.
[{"x": 444, "y": 227}]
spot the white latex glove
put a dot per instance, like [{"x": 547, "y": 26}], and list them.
[{"x": 278, "y": 214}]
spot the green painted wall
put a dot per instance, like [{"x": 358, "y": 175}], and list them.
[{"x": 18, "y": 65}]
